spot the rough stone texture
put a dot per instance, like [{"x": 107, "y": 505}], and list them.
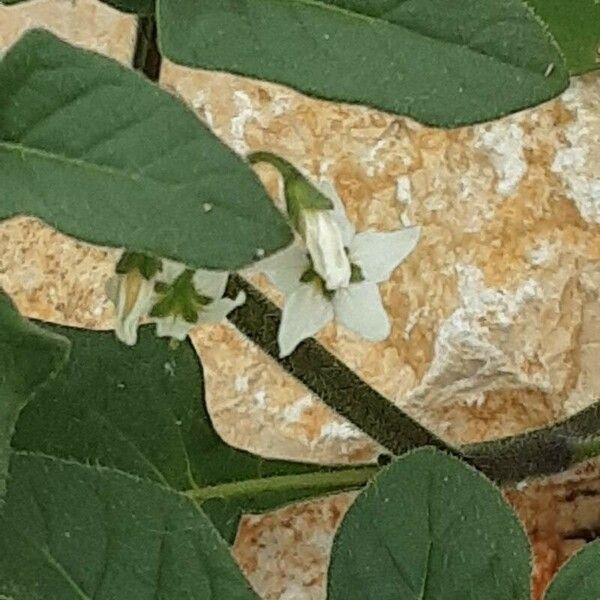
[
  {"x": 496, "y": 315},
  {"x": 86, "y": 23}
]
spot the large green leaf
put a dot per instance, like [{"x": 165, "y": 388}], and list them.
[
  {"x": 29, "y": 358},
  {"x": 579, "y": 578},
  {"x": 141, "y": 410},
  {"x": 443, "y": 63},
  {"x": 100, "y": 153},
  {"x": 429, "y": 527},
  {"x": 576, "y": 26},
  {"x": 140, "y": 7},
  {"x": 76, "y": 532}
]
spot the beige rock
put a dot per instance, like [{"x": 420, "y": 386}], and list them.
[
  {"x": 489, "y": 311},
  {"x": 85, "y": 23},
  {"x": 496, "y": 315}
]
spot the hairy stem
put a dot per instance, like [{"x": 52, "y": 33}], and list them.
[
  {"x": 146, "y": 56},
  {"x": 537, "y": 453},
  {"x": 344, "y": 478},
  {"x": 339, "y": 387}
]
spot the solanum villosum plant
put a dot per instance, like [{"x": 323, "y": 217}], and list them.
[{"x": 113, "y": 483}]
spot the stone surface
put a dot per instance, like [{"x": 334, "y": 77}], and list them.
[
  {"x": 86, "y": 23},
  {"x": 496, "y": 315}
]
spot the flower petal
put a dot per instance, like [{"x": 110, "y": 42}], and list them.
[
  {"x": 111, "y": 288},
  {"x": 216, "y": 311},
  {"x": 326, "y": 247},
  {"x": 339, "y": 211},
  {"x": 173, "y": 327},
  {"x": 378, "y": 254},
  {"x": 305, "y": 312},
  {"x": 132, "y": 296},
  {"x": 171, "y": 270},
  {"x": 359, "y": 308},
  {"x": 285, "y": 268},
  {"x": 210, "y": 283}
]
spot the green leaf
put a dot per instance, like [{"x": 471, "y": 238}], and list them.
[
  {"x": 29, "y": 358},
  {"x": 139, "y": 7},
  {"x": 579, "y": 578},
  {"x": 576, "y": 26},
  {"x": 77, "y": 532},
  {"x": 100, "y": 153},
  {"x": 442, "y": 63},
  {"x": 140, "y": 410},
  {"x": 428, "y": 527}
]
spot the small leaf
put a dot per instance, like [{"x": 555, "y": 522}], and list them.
[
  {"x": 29, "y": 358},
  {"x": 576, "y": 26},
  {"x": 100, "y": 153},
  {"x": 428, "y": 527},
  {"x": 579, "y": 578},
  {"x": 442, "y": 63},
  {"x": 140, "y": 410},
  {"x": 71, "y": 531}
]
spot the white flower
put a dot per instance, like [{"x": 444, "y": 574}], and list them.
[
  {"x": 325, "y": 245},
  {"x": 132, "y": 296},
  {"x": 208, "y": 301},
  {"x": 176, "y": 299},
  {"x": 310, "y": 305}
]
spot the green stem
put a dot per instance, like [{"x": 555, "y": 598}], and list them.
[
  {"x": 542, "y": 452},
  {"x": 330, "y": 379},
  {"x": 146, "y": 56},
  {"x": 545, "y": 451},
  {"x": 343, "y": 478},
  {"x": 287, "y": 170},
  {"x": 584, "y": 449}
]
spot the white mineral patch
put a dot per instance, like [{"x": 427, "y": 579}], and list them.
[
  {"x": 574, "y": 163},
  {"x": 503, "y": 143},
  {"x": 479, "y": 301},
  {"x": 372, "y": 165},
  {"x": 280, "y": 105},
  {"x": 467, "y": 358},
  {"x": 240, "y": 383},
  {"x": 542, "y": 254},
  {"x": 244, "y": 112},
  {"x": 340, "y": 431},
  {"x": 294, "y": 412},
  {"x": 260, "y": 398},
  {"x": 403, "y": 190}
]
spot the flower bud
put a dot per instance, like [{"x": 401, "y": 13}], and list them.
[
  {"x": 132, "y": 296},
  {"x": 326, "y": 248}
]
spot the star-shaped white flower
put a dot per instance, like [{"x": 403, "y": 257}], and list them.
[
  {"x": 310, "y": 305},
  {"x": 211, "y": 306},
  {"x": 174, "y": 298}
]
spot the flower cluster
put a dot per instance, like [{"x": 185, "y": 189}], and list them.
[
  {"x": 330, "y": 272},
  {"x": 166, "y": 293}
]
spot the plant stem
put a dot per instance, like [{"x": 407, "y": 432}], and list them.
[
  {"x": 339, "y": 387},
  {"x": 146, "y": 56},
  {"x": 537, "y": 453},
  {"x": 344, "y": 478},
  {"x": 542, "y": 452}
]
